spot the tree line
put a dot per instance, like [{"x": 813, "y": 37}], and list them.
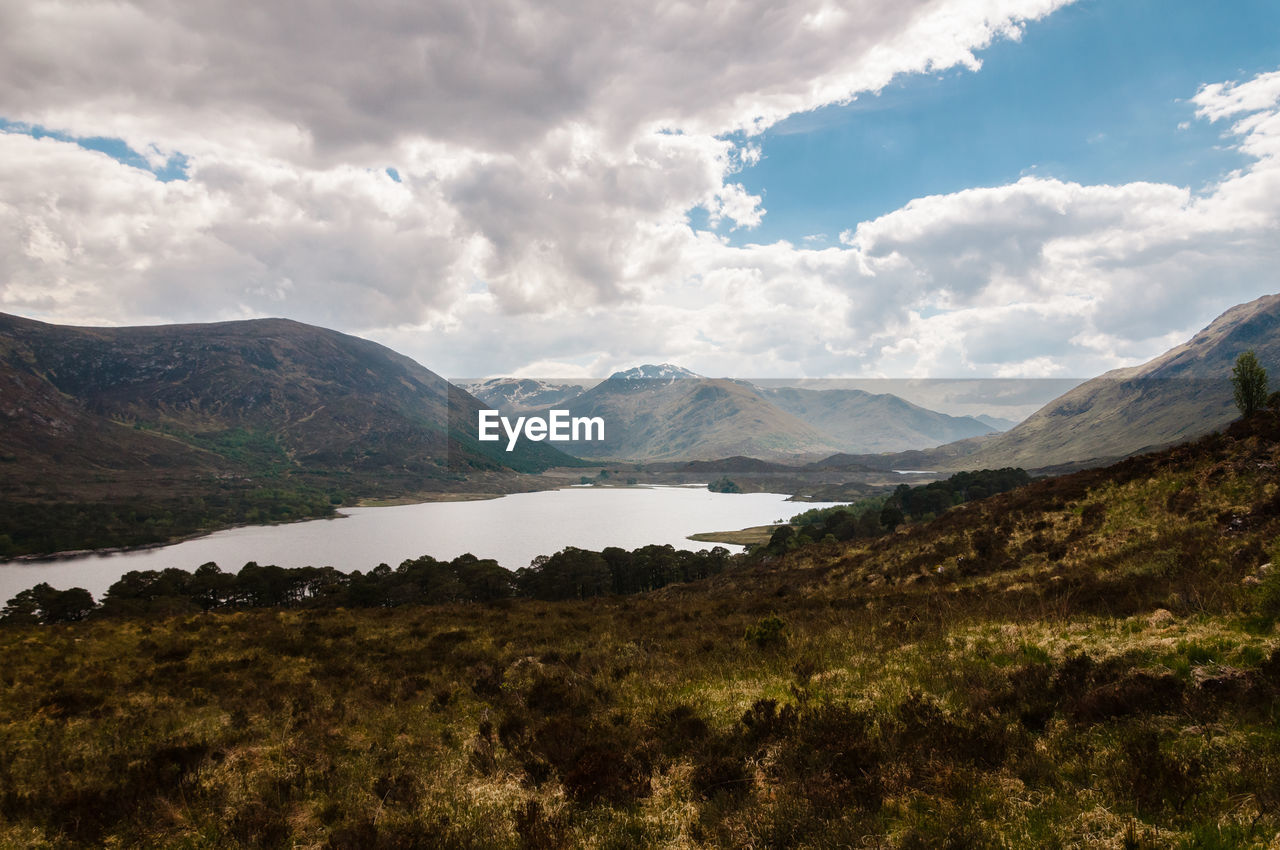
[
  {"x": 571, "y": 573},
  {"x": 880, "y": 515}
]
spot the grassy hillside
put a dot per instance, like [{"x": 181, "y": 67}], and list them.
[
  {"x": 187, "y": 425},
  {"x": 1085, "y": 661}
]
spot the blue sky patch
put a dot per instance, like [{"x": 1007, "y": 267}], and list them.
[
  {"x": 175, "y": 168},
  {"x": 1097, "y": 93}
]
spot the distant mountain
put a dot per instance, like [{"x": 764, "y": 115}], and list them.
[
  {"x": 1183, "y": 393},
  {"x": 669, "y": 413},
  {"x": 863, "y": 422},
  {"x": 996, "y": 423},
  {"x": 947, "y": 456},
  {"x": 262, "y": 400},
  {"x": 521, "y": 395},
  {"x": 665, "y": 373},
  {"x": 666, "y": 412}
]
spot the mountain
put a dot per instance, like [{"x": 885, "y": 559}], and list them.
[
  {"x": 522, "y": 395},
  {"x": 953, "y": 455},
  {"x": 668, "y": 413},
  {"x": 996, "y": 423},
  {"x": 1181, "y": 394},
  {"x": 863, "y": 422},
  {"x": 662, "y": 374},
  {"x": 164, "y": 419},
  {"x": 329, "y": 401}
]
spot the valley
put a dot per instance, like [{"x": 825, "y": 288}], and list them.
[{"x": 968, "y": 657}]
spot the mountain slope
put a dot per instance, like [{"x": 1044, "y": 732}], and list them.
[
  {"x": 668, "y": 413},
  {"x": 514, "y": 396},
  {"x": 330, "y": 401},
  {"x": 863, "y": 422},
  {"x": 184, "y": 427},
  {"x": 1181, "y": 394},
  {"x": 997, "y": 423},
  {"x": 665, "y": 412}
]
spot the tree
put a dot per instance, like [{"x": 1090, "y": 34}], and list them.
[
  {"x": 724, "y": 485},
  {"x": 67, "y": 606},
  {"x": 782, "y": 539},
  {"x": 46, "y": 605},
  {"x": 891, "y": 517},
  {"x": 1249, "y": 381}
]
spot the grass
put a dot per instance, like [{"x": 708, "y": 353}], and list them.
[
  {"x": 1085, "y": 662},
  {"x": 756, "y": 535}
]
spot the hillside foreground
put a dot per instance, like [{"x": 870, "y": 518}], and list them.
[{"x": 1088, "y": 661}]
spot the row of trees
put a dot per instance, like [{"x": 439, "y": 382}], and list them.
[
  {"x": 920, "y": 502},
  {"x": 876, "y": 516},
  {"x": 569, "y": 574}
]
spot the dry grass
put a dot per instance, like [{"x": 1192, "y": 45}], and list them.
[{"x": 1086, "y": 662}]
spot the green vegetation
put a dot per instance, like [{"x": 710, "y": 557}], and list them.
[
  {"x": 569, "y": 574},
  {"x": 1090, "y": 660},
  {"x": 929, "y": 500},
  {"x": 771, "y": 631},
  {"x": 1249, "y": 384},
  {"x": 38, "y": 527},
  {"x": 724, "y": 485},
  {"x": 879, "y": 515},
  {"x": 821, "y": 516}
]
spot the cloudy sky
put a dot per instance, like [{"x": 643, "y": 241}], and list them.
[{"x": 810, "y": 188}]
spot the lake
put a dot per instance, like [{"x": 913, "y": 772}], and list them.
[{"x": 512, "y": 530}]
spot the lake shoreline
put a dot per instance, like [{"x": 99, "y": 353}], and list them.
[{"x": 512, "y": 531}]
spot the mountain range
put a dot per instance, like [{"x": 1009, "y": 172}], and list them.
[
  {"x": 665, "y": 412},
  {"x": 114, "y": 436},
  {"x": 1182, "y": 394}
]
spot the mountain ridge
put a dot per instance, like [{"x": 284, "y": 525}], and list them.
[
  {"x": 800, "y": 423},
  {"x": 1178, "y": 395}
]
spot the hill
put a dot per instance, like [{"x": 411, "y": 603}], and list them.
[
  {"x": 996, "y": 423},
  {"x": 1181, "y": 394},
  {"x": 156, "y": 419},
  {"x": 1090, "y": 660},
  {"x": 864, "y": 423}
]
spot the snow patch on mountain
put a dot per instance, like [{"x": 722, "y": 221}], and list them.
[{"x": 664, "y": 372}]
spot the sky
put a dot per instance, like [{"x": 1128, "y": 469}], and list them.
[{"x": 811, "y": 189}]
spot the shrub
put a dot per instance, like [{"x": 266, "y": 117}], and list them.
[
  {"x": 769, "y": 632},
  {"x": 1267, "y": 597}
]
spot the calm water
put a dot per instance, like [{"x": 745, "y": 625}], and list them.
[{"x": 512, "y": 530}]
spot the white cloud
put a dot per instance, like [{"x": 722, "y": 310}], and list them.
[
  {"x": 554, "y": 166},
  {"x": 546, "y": 181},
  {"x": 1216, "y": 101}
]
